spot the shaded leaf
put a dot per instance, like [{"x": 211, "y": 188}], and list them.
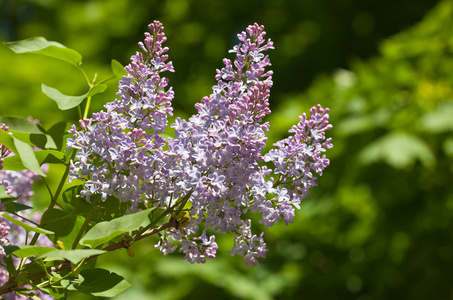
[
  {"x": 57, "y": 132},
  {"x": 11, "y": 206},
  {"x": 65, "y": 225},
  {"x": 105, "y": 231},
  {"x": 100, "y": 282},
  {"x": 39, "y": 45}
]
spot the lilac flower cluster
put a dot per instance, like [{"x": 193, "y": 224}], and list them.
[
  {"x": 20, "y": 185},
  {"x": 117, "y": 146},
  {"x": 213, "y": 170}
]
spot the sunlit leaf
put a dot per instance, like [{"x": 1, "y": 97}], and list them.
[
  {"x": 27, "y": 227},
  {"x": 14, "y": 163},
  {"x": 440, "y": 120},
  {"x": 399, "y": 150},
  {"x": 39, "y": 45},
  {"x": 74, "y": 256},
  {"x": 28, "y": 132},
  {"x": 65, "y": 102},
  {"x": 4, "y": 195},
  {"x": 117, "y": 68},
  {"x": 27, "y": 156},
  {"x": 22, "y": 251},
  {"x": 105, "y": 231}
]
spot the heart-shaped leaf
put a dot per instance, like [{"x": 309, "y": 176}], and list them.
[
  {"x": 65, "y": 102},
  {"x": 39, "y": 45}
]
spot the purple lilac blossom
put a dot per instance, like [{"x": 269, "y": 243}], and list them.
[
  {"x": 21, "y": 183},
  {"x": 215, "y": 160}
]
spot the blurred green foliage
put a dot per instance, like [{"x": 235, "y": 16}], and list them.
[{"x": 380, "y": 224}]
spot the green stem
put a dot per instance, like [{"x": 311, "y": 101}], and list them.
[
  {"x": 182, "y": 201},
  {"x": 54, "y": 199},
  {"x": 85, "y": 75},
  {"x": 107, "y": 79},
  {"x": 87, "y": 108},
  {"x": 87, "y": 221},
  {"x": 48, "y": 187}
]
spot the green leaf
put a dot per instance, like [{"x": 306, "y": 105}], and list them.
[
  {"x": 14, "y": 163},
  {"x": 40, "y": 45},
  {"x": 97, "y": 89},
  {"x": 105, "y": 231},
  {"x": 65, "y": 224},
  {"x": 4, "y": 195},
  {"x": 100, "y": 282},
  {"x": 21, "y": 125},
  {"x": 399, "y": 150},
  {"x": 11, "y": 206},
  {"x": 27, "y": 227},
  {"x": 23, "y": 251},
  {"x": 8, "y": 141},
  {"x": 10, "y": 267},
  {"x": 28, "y": 132},
  {"x": 118, "y": 68},
  {"x": 74, "y": 256},
  {"x": 57, "y": 133},
  {"x": 27, "y": 156},
  {"x": 23, "y": 150},
  {"x": 440, "y": 120},
  {"x": 65, "y": 102}
]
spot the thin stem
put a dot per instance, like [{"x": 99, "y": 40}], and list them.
[
  {"x": 87, "y": 108},
  {"x": 66, "y": 265},
  {"x": 54, "y": 199},
  {"x": 181, "y": 202},
  {"x": 85, "y": 75},
  {"x": 85, "y": 224},
  {"x": 107, "y": 79},
  {"x": 48, "y": 187},
  {"x": 79, "y": 111}
]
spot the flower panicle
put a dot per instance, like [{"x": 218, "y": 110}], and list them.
[{"x": 214, "y": 162}]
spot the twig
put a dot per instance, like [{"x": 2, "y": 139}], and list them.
[{"x": 66, "y": 265}]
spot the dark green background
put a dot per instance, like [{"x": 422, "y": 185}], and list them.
[{"x": 379, "y": 225}]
